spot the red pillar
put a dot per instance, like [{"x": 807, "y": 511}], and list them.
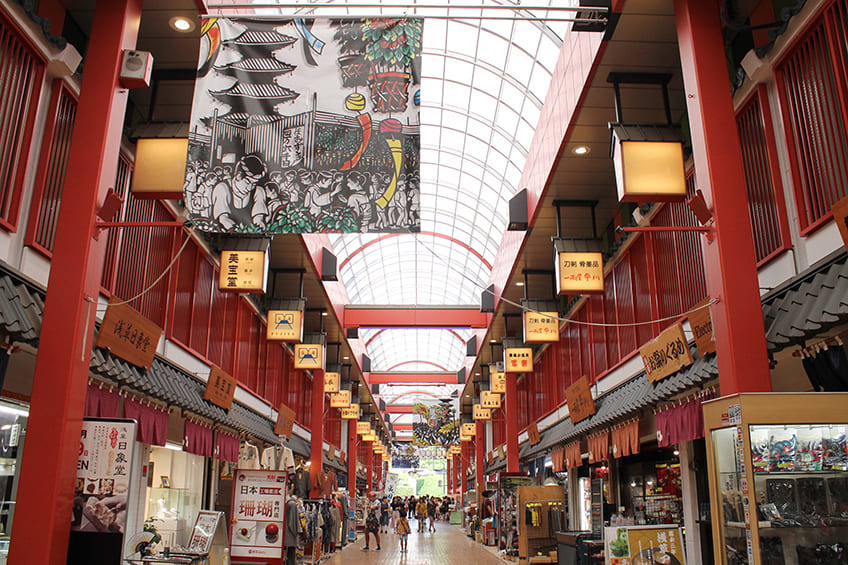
[
  {"x": 463, "y": 467},
  {"x": 351, "y": 457},
  {"x": 457, "y": 464},
  {"x": 448, "y": 476},
  {"x": 379, "y": 470},
  {"x": 730, "y": 262},
  {"x": 369, "y": 464},
  {"x": 317, "y": 447},
  {"x": 480, "y": 440},
  {"x": 46, "y": 490},
  {"x": 511, "y": 417}
]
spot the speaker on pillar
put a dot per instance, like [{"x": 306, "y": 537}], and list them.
[
  {"x": 366, "y": 364},
  {"x": 518, "y": 218},
  {"x": 471, "y": 347},
  {"x": 460, "y": 376},
  {"x": 329, "y": 270},
  {"x": 487, "y": 299},
  {"x": 375, "y": 388},
  {"x": 353, "y": 333}
]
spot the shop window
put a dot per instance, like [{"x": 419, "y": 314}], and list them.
[
  {"x": 174, "y": 492},
  {"x": 13, "y": 422}
]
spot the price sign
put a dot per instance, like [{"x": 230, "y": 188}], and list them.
[{"x": 220, "y": 388}]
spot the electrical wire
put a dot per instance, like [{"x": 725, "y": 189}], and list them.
[{"x": 567, "y": 320}]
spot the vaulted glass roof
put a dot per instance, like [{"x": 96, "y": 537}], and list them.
[{"x": 415, "y": 350}]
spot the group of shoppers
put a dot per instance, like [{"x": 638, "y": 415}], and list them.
[{"x": 395, "y": 514}]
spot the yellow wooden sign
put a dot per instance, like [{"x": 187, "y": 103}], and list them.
[
  {"x": 363, "y": 428},
  {"x": 490, "y": 399},
  {"x": 469, "y": 429},
  {"x": 351, "y": 412},
  {"x": 667, "y": 354},
  {"x": 331, "y": 383},
  {"x": 580, "y": 273},
  {"x": 285, "y": 325},
  {"x": 518, "y": 360},
  {"x": 340, "y": 399},
  {"x": 463, "y": 437},
  {"x": 308, "y": 356},
  {"x": 243, "y": 271},
  {"x": 371, "y": 436},
  {"x": 541, "y": 327},
  {"x": 498, "y": 380},
  {"x": 481, "y": 413}
]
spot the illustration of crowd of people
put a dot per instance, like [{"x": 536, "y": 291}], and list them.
[
  {"x": 247, "y": 197},
  {"x": 385, "y": 514}
]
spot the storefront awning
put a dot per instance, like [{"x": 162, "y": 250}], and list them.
[
  {"x": 21, "y": 308},
  {"x": 807, "y": 305}
]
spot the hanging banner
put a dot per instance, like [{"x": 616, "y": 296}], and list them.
[
  {"x": 518, "y": 359},
  {"x": 285, "y": 325},
  {"x": 490, "y": 399},
  {"x": 498, "y": 380},
  {"x": 541, "y": 327},
  {"x": 701, "y": 324},
  {"x": 128, "y": 334},
  {"x": 635, "y": 545},
  {"x": 258, "y": 506},
  {"x": 101, "y": 491},
  {"x": 666, "y": 354},
  {"x": 220, "y": 388},
  {"x": 306, "y": 125},
  {"x": 578, "y": 398},
  {"x": 331, "y": 383},
  {"x": 308, "y": 356}
]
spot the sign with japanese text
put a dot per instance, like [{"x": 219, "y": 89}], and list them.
[
  {"x": 369, "y": 437},
  {"x": 490, "y": 399},
  {"x": 342, "y": 458},
  {"x": 308, "y": 356},
  {"x": 464, "y": 437},
  {"x": 635, "y": 545},
  {"x": 203, "y": 533},
  {"x": 259, "y": 500},
  {"x": 469, "y": 429},
  {"x": 363, "y": 428},
  {"x": 104, "y": 465},
  {"x": 128, "y": 334},
  {"x": 331, "y": 453},
  {"x": 285, "y": 325},
  {"x": 243, "y": 271},
  {"x": 351, "y": 412},
  {"x": 840, "y": 216},
  {"x": 541, "y": 327},
  {"x": 490, "y": 459},
  {"x": 666, "y": 354},
  {"x": 498, "y": 380},
  {"x": 481, "y": 413},
  {"x": 331, "y": 383},
  {"x": 533, "y": 433},
  {"x": 501, "y": 453},
  {"x": 579, "y": 399},
  {"x": 285, "y": 421},
  {"x": 340, "y": 399},
  {"x": 580, "y": 273},
  {"x": 701, "y": 324},
  {"x": 518, "y": 359},
  {"x": 220, "y": 388}
]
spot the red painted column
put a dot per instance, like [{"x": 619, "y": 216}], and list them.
[
  {"x": 463, "y": 467},
  {"x": 457, "y": 465},
  {"x": 48, "y": 470},
  {"x": 379, "y": 470},
  {"x": 480, "y": 440},
  {"x": 317, "y": 448},
  {"x": 351, "y": 457},
  {"x": 369, "y": 464},
  {"x": 448, "y": 476},
  {"x": 730, "y": 262},
  {"x": 511, "y": 417}
]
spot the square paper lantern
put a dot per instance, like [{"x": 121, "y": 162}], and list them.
[{"x": 648, "y": 163}]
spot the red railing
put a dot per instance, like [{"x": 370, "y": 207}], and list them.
[
  {"x": 813, "y": 86},
  {"x": 52, "y": 164},
  {"x": 762, "y": 177},
  {"x": 21, "y": 73}
]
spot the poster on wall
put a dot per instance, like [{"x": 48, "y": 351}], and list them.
[
  {"x": 306, "y": 125},
  {"x": 258, "y": 507},
  {"x": 633, "y": 545}
]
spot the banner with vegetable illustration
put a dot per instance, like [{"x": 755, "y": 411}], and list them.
[{"x": 644, "y": 545}]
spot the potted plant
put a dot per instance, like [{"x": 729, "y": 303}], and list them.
[
  {"x": 353, "y": 65},
  {"x": 391, "y": 45}
]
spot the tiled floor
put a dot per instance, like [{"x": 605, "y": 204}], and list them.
[{"x": 447, "y": 546}]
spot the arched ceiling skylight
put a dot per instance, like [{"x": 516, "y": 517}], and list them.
[{"x": 415, "y": 350}]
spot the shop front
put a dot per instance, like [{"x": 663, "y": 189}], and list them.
[{"x": 13, "y": 422}]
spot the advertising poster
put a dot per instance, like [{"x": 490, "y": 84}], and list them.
[
  {"x": 258, "y": 509},
  {"x": 644, "y": 545}
]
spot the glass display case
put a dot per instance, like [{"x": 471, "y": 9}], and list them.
[{"x": 779, "y": 477}]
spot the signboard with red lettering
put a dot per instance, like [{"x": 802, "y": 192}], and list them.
[
  {"x": 667, "y": 354},
  {"x": 128, "y": 334},
  {"x": 579, "y": 399},
  {"x": 518, "y": 359},
  {"x": 350, "y": 412},
  {"x": 285, "y": 421},
  {"x": 701, "y": 324},
  {"x": 363, "y": 428},
  {"x": 498, "y": 380},
  {"x": 541, "y": 327},
  {"x": 579, "y": 273},
  {"x": 258, "y": 512},
  {"x": 340, "y": 399},
  {"x": 220, "y": 388}
]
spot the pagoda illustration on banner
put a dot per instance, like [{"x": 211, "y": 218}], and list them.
[{"x": 302, "y": 126}]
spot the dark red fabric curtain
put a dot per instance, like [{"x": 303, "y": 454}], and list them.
[
  {"x": 682, "y": 422},
  {"x": 152, "y": 423},
  {"x": 198, "y": 439},
  {"x": 226, "y": 447},
  {"x": 101, "y": 403}
]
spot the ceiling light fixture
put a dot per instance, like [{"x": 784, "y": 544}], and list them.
[
  {"x": 180, "y": 23},
  {"x": 519, "y": 283},
  {"x": 323, "y": 313},
  {"x": 581, "y": 150},
  {"x": 345, "y": 357}
]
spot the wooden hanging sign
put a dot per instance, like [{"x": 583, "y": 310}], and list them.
[
  {"x": 128, "y": 335},
  {"x": 533, "y": 433},
  {"x": 220, "y": 388},
  {"x": 666, "y": 354},
  {"x": 285, "y": 421},
  {"x": 579, "y": 399},
  {"x": 701, "y": 324}
]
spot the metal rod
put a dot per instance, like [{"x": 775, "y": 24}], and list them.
[
  {"x": 297, "y": 5},
  {"x": 594, "y": 222},
  {"x": 139, "y": 224},
  {"x": 458, "y": 17},
  {"x": 700, "y": 229},
  {"x": 559, "y": 218}
]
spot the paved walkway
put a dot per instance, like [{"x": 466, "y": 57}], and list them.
[{"x": 447, "y": 546}]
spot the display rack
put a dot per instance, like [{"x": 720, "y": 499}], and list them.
[
  {"x": 657, "y": 509},
  {"x": 535, "y": 508},
  {"x": 507, "y": 508}
]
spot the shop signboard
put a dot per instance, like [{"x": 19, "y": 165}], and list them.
[
  {"x": 498, "y": 379},
  {"x": 490, "y": 399},
  {"x": 258, "y": 513},
  {"x": 840, "y": 216},
  {"x": 634, "y": 545},
  {"x": 203, "y": 534},
  {"x": 541, "y": 327},
  {"x": 481, "y": 413},
  {"x": 101, "y": 491},
  {"x": 351, "y": 412},
  {"x": 579, "y": 273},
  {"x": 701, "y": 324},
  {"x": 220, "y": 388},
  {"x": 469, "y": 428},
  {"x": 331, "y": 453},
  {"x": 666, "y": 354},
  {"x": 533, "y": 433},
  {"x": 243, "y": 271},
  {"x": 285, "y": 325},
  {"x": 501, "y": 453},
  {"x": 363, "y": 428},
  {"x": 128, "y": 334},
  {"x": 597, "y": 507},
  {"x": 285, "y": 421},
  {"x": 340, "y": 399},
  {"x": 490, "y": 459},
  {"x": 579, "y": 399},
  {"x": 308, "y": 356},
  {"x": 518, "y": 359},
  {"x": 331, "y": 382}
]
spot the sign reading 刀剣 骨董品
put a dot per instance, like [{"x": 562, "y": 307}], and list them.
[
  {"x": 666, "y": 354},
  {"x": 579, "y": 273},
  {"x": 128, "y": 334},
  {"x": 258, "y": 513},
  {"x": 541, "y": 327},
  {"x": 306, "y": 125}
]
